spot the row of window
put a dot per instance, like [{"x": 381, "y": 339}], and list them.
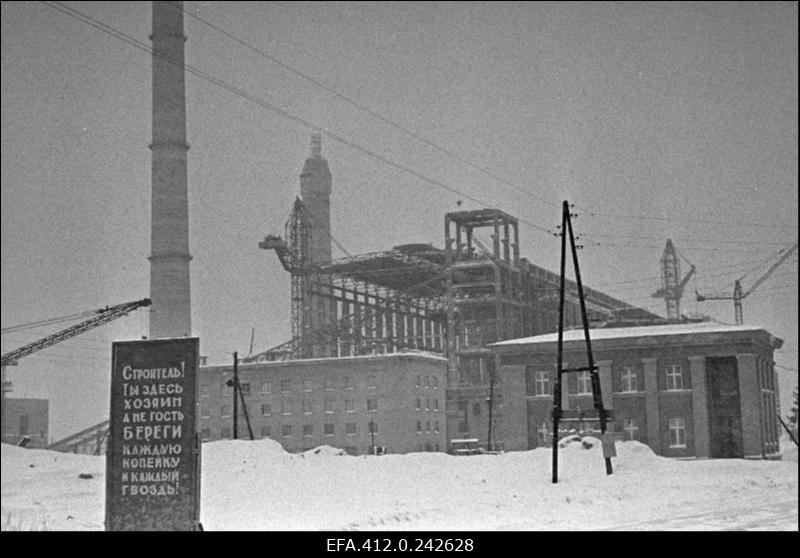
[
  {"x": 429, "y": 382},
  {"x": 328, "y": 429},
  {"x": 677, "y": 431},
  {"x": 287, "y": 407},
  {"x": 287, "y": 385},
  {"x": 629, "y": 381}
]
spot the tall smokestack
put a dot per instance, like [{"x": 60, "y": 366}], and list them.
[
  {"x": 169, "y": 257},
  {"x": 315, "y": 190}
]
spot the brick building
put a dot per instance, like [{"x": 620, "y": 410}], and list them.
[
  {"x": 695, "y": 389},
  {"x": 26, "y": 417},
  {"x": 394, "y": 401}
]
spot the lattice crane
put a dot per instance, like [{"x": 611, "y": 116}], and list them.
[
  {"x": 671, "y": 284},
  {"x": 739, "y": 294}
]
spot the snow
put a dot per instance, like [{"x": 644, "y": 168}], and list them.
[
  {"x": 629, "y": 332},
  {"x": 256, "y": 485}
]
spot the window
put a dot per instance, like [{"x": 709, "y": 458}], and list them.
[
  {"x": 419, "y": 404},
  {"x": 427, "y": 426},
  {"x": 329, "y": 406},
  {"x": 226, "y": 389},
  {"x": 543, "y": 434},
  {"x": 674, "y": 377},
  {"x": 205, "y": 434},
  {"x": 266, "y": 387},
  {"x": 584, "y": 382},
  {"x": 427, "y": 404},
  {"x": 462, "y": 406},
  {"x": 205, "y": 412},
  {"x": 225, "y": 411},
  {"x": 372, "y": 404},
  {"x": 286, "y": 430},
  {"x": 348, "y": 383},
  {"x": 435, "y": 404},
  {"x": 677, "y": 433},
  {"x": 286, "y": 407},
  {"x": 286, "y": 385},
  {"x": 629, "y": 380},
  {"x": 306, "y": 385},
  {"x": 349, "y": 406},
  {"x": 266, "y": 409},
  {"x": 329, "y": 429},
  {"x": 350, "y": 428},
  {"x": 308, "y": 430},
  {"x": 372, "y": 381},
  {"x": 244, "y": 388},
  {"x": 418, "y": 383},
  {"x": 542, "y": 383},
  {"x": 631, "y": 428},
  {"x": 266, "y": 431},
  {"x": 434, "y": 382},
  {"x": 373, "y": 427},
  {"x": 476, "y": 409},
  {"x": 436, "y": 426},
  {"x": 327, "y": 384},
  {"x": 205, "y": 390},
  {"x": 462, "y": 427},
  {"x": 308, "y": 408},
  {"x": 225, "y": 432},
  {"x": 419, "y": 427},
  {"x": 427, "y": 381}
]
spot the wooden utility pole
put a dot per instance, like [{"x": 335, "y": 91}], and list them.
[
  {"x": 235, "y": 395},
  {"x": 566, "y": 226}
]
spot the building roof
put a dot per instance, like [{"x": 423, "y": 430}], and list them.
[{"x": 691, "y": 328}]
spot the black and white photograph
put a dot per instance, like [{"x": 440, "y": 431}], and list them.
[{"x": 399, "y": 275}]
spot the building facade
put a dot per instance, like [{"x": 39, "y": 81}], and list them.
[
  {"x": 686, "y": 390},
  {"x": 26, "y": 418},
  {"x": 393, "y": 403}
]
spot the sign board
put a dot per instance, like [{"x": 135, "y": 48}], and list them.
[{"x": 153, "y": 455}]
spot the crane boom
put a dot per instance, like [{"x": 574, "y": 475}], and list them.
[
  {"x": 103, "y": 316},
  {"x": 763, "y": 278}
]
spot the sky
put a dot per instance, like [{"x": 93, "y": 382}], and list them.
[
  {"x": 256, "y": 486},
  {"x": 656, "y": 120}
]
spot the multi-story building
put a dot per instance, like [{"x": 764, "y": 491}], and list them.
[
  {"x": 693, "y": 389},
  {"x": 393, "y": 403}
]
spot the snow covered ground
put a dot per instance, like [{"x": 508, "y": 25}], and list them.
[{"x": 258, "y": 486}]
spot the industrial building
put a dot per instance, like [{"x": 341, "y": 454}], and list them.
[
  {"x": 27, "y": 420},
  {"x": 687, "y": 390},
  {"x": 391, "y": 403},
  {"x": 451, "y": 302}
]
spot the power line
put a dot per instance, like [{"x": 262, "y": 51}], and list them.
[
  {"x": 365, "y": 109},
  {"x": 76, "y": 14},
  {"x": 674, "y": 220}
]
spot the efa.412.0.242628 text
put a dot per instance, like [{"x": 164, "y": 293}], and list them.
[{"x": 394, "y": 544}]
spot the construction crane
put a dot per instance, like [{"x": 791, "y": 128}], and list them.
[
  {"x": 103, "y": 316},
  {"x": 671, "y": 284},
  {"x": 739, "y": 294}
]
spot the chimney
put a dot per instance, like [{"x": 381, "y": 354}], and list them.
[{"x": 169, "y": 256}]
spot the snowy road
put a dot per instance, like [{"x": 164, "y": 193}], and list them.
[{"x": 779, "y": 515}]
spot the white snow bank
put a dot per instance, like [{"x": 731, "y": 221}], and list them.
[{"x": 256, "y": 485}]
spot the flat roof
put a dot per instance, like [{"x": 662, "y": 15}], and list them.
[
  {"x": 412, "y": 355},
  {"x": 632, "y": 332}
]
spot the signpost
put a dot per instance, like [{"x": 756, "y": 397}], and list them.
[{"x": 153, "y": 457}]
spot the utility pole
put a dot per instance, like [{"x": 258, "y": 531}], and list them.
[
  {"x": 235, "y": 395},
  {"x": 372, "y": 434},
  {"x": 244, "y": 408},
  {"x": 490, "y": 402}
]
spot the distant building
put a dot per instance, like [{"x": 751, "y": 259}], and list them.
[
  {"x": 394, "y": 403},
  {"x": 26, "y": 417},
  {"x": 694, "y": 389}
]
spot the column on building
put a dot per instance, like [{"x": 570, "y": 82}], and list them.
[
  {"x": 749, "y": 404},
  {"x": 700, "y": 406},
  {"x": 606, "y": 388},
  {"x": 650, "y": 366}
]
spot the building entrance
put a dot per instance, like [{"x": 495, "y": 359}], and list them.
[{"x": 724, "y": 410}]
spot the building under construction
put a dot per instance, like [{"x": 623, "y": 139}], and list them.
[{"x": 453, "y": 301}]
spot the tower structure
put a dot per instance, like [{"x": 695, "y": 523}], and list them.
[
  {"x": 319, "y": 308},
  {"x": 169, "y": 248}
]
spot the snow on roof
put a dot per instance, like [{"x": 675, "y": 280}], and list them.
[{"x": 630, "y": 332}]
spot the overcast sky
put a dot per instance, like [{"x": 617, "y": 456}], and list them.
[{"x": 657, "y": 120}]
